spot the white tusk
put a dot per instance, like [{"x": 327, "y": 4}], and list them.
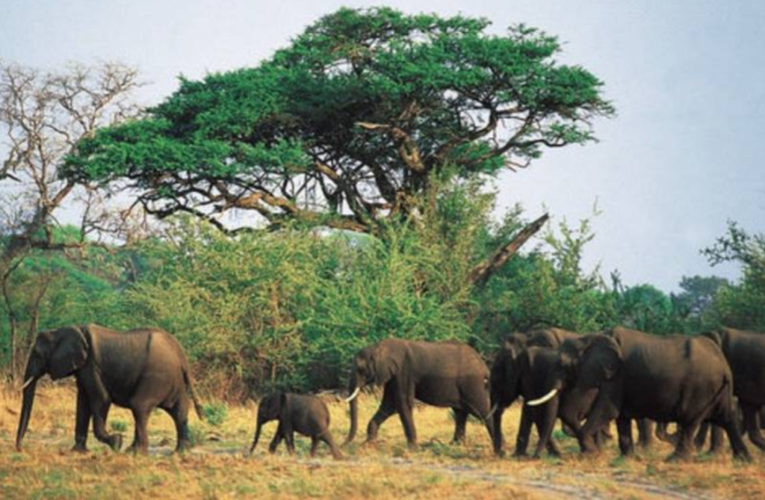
[
  {"x": 493, "y": 409},
  {"x": 544, "y": 399},
  {"x": 29, "y": 381},
  {"x": 353, "y": 396}
]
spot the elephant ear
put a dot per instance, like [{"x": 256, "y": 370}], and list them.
[
  {"x": 68, "y": 354},
  {"x": 599, "y": 363},
  {"x": 385, "y": 363}
]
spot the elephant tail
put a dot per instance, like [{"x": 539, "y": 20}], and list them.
[{"x": 193, "y": 393}]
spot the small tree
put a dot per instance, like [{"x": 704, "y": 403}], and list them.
[{"x": 42, "y": 118}]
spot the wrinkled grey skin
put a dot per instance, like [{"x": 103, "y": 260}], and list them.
[
  {"x": 140, "y": 370},
  {"x": 445, "y": 374},
  {"x": 306, "y": 415},
  {"x": 672, "y": 378}
]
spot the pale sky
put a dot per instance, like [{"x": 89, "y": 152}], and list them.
[{"x": 687, "y": 78}]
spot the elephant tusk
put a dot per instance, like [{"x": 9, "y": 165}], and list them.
[
  {"x": 544, "y": 399},
  {"x": 26, "y": 384},
  {"x": 491, "y": 412},
  {"x": 353, "y": 396}
]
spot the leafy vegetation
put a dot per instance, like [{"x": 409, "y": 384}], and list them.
[{"x": 342, "y": 127}]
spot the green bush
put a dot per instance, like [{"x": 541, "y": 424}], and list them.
[{"x": 215, "y": 413}]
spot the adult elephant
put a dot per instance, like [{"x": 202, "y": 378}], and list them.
[
  {"x": 140, "y": 370},
  {"x": 526, "y": 374},
  {"x": 446, "y": 374},
  {"x": 521, "y": 368},
  {"x": 667, "y": 379},
  {"x": 745, "y": 352}
]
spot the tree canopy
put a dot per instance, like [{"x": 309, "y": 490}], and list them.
[{"x": 342, "y": 127}]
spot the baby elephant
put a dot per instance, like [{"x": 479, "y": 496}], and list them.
[{"x": 307, "y": 415}]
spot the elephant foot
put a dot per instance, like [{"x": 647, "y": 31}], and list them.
[
  {"x": 79, "y": 448},
  {"x": 590, "y": 451},
  {"x": 499, "y": 453},
  {"x": 679, "y": 457},
  {"x": 183, "y": 446},
  {"x": 136, "y": 449},
  {"x": 370, "y": 441},
  {"x": 115, "y": 442}
]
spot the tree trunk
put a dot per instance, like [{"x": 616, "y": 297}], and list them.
[{"x": 483, "y": 271}]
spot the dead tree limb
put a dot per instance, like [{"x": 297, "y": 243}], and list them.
[{"x": 483, "y": 271}]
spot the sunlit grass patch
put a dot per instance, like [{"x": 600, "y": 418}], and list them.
[{"x": 389, "y": 469}]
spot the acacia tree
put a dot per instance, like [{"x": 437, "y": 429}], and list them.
[
  {"x": 346, "y": 125},
  {"x": 43, "y": 115}
]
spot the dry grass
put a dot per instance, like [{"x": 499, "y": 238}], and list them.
[{"x": 217, "y": 469}]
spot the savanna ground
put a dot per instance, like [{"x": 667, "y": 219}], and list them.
[{"x": 216, "y": 468}]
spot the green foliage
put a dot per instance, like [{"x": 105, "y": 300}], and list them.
[
  {"x": 289, "y": 309},
  {"x": 362, "y": 107},
  {"x": 741, "y": 305},
  {"x": 118, "y": 425},
  {"x": 215, "y": 413},
  {"x": 546, "y": 287}
]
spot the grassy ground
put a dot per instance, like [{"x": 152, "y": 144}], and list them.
[{"x": 216, "y": 467}]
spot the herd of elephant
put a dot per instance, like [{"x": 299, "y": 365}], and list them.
[{"x": 698, "y": 382}]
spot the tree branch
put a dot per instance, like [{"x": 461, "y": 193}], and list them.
[{"x": 483, "y": 271}]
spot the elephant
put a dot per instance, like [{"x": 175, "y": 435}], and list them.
[
  {"x": 140, "y": 370},
  {"x": 745, "y": 352},
  {"x": 305, "y": 414},
  {"x": 525, "y": 374},
  {"x": 548, "y": 337},
  {"x": 446, "y": 374},
  {"x": 672, "y": 378},
  {"x": 520, "y": 369}
]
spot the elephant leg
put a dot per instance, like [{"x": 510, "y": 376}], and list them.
[
  {"x": 314, "y": 445},
  {"x": 548, "y": 443},
  {"x": 141, "y": 442},
  {"x": 384, "y": 412},
  {"x": 276, "y": 440},
  {"x": 327, "y": 438},
  {"x": 83, "y": 421},
  {"x": 727, "y": 418},
  {"x": 684, "y": 447},
  {"x": 407, "y": 421},
  {"x": 100, "y": 412},
  {"x": 524, "y": 431},
  {"x": 645, "y": 432},
  {"x": 624, "y": 428},
  {"x": 180, "y": 415},
  {"x": 701, "y": 435},
  {"x": 752, "y": 424},
  {"x": 290, "y": 438},
  {"x": 460, "y": 421},
  {"x": 716, "y": 439}
]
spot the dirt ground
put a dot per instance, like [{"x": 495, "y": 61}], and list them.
[{"x": 216, "y": 467}]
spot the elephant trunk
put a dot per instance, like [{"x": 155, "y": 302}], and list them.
[
  {"x": 31, "y": 375},
  {"x": 354, "y": 389}
]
